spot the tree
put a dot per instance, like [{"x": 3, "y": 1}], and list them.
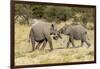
[{"x": 24, "y": 11}]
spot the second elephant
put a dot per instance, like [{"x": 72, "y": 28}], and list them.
[{"x": 75, "y": 32}]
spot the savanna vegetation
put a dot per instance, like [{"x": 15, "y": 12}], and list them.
[
  {"x": 60, "y": 15},
  {"x": 25, "y": 12}
]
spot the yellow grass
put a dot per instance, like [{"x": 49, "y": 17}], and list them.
[{"x": 60, "y": 54}]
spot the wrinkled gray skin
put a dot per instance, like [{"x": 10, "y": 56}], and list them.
[
  {"x": 75, "y": 32},
  {"x": 40, "y": 33}
]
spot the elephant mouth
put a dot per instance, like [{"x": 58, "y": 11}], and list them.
[{"x": 55, "y": 38}]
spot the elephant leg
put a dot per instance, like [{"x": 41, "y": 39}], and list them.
[
  {"x": 72, "y": 41},
  {"x": 44, "y": 44},
  {"x": 87, "y": 43},
  {"x": 33, "y": 43},
  {"x": 68, "y": 42},
  {"x": 85, "y": 39},
  {"x": 50, "y": 41},
  {"x": 51, "y": 46},
  {"x": 38, "y": 45},
  {"x": 82, "y": 43}
]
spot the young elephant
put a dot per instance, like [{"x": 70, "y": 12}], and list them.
[
  {"x": 77, "y": 32},
  {"x": 40, "y": 33}
]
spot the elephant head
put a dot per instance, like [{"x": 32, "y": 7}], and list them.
[
  {"x": 54, "y": 32},
  {"x": 65, "y": 30}
]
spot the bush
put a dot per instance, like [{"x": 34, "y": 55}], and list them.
[{"x": 53, "y": 13}]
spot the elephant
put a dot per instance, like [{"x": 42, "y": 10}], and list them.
[
  {"x": 40, "y": 33},
  {"x": 75, "y": 32}
]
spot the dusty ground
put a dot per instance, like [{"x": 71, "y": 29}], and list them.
[{"x": 60, "y": 54}]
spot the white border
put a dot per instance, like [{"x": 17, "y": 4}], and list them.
[{"x": 5, "y": 34}]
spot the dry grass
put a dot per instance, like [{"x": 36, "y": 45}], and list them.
[{"x": 60, "y": 54}]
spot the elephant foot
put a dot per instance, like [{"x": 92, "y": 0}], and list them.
[
  {"x": 88, "y": 45},
  {"x": 36, "y": 48},
  {"x": 67, "y": 46},
  {"x": 31, "y": 51},
  {"x": 77, "y": 46},
  {"x": 42, "y": 49},
  {"x": 51, "y": 50},
  {"x": 81, "y": 46}
]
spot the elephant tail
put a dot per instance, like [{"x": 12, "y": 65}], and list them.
[{"x": 30, "y": 35}]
